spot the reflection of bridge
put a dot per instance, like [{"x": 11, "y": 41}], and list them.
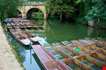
[{"x": 27, "y": 6}]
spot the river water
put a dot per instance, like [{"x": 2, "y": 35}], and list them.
[{"x": 56, "y": 32}]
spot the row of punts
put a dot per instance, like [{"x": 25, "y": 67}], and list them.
[
  {"x": 22, "y": 23},
  {"x": 62, "y": 55},
  {"x": 91, "y": 56},
  {"x": 47, "y": 61},
  {"x": 17, "y": 28}
]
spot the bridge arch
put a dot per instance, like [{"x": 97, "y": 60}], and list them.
[
  {"x": 32, "y": 13},
  {"x": 25, "y": 9}
]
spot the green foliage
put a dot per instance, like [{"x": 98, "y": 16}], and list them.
[
  {"x": 8, "y": 8},
  {"x": 95, "y": 9},
  {"x": 62, "y": 6},
  {"x": 58, "y": 6}
]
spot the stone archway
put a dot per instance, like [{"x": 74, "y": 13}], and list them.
[
  {"x": 34, "y": 13},
  {"x": 25, "y": 9}
]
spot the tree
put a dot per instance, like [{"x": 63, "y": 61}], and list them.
[
  {"x": 61, "y": 7},
  {"x": 95, "y": 10},
  {"x": 8, "y": 8}
]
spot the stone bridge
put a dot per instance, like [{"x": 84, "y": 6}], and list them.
[{"x": 24, "y": 9}]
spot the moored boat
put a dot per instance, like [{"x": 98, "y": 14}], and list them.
[
  {"x": 20, "y": 36},
  {"x": 47, "y": 61}
]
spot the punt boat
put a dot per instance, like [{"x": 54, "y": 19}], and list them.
[
  {"x": 85, "y": 62},
  {"x": 21, "y": 23},
  {"x": 20, "y": 36},
  {"x": 47, "y": 61}
]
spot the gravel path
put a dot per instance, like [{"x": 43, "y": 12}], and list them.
[{"x": 7, "y": 58}]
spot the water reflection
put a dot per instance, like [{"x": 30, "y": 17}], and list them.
[
  {"x": 90, "y": 31},
  {"x": 56, "y": 31},
  {"x": 29, "y": 62}
]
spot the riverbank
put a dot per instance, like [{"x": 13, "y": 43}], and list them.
[{"x": 7, "y": 58}]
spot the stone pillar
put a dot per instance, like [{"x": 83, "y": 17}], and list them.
[{"x": 23, "y": 14}]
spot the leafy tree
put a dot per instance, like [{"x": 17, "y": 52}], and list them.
[
  {"x": 95, "y": 10},
  {"x": 61, "y": 7},
  {"x": 8, "y": 8}
]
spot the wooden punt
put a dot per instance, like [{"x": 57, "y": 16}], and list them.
[
  {"x": 70, "y": 47},
  {"x": 84, "y": 62},
  {"x": 86, "y": 43},
  {"x": 51, "y": 52},
  {"x": 56, "y": 56},
  {"x": 65, "y": 43},
  {"x": 98, "y": 56},
  {"x": 33, "y": 38},
  {"x": 102, "y": 45},
  {"x": 93, "y": 57},
  {"x": 47, "y": 61},
  {"x": 65, "y": 50},
  {"x": 22, "y": 23},
  {"x": 20, "y": 36},
  {"x": 65, "y": 54},
  {"x": 67, "y": 57},
  {"x": 102, "y": 57},
  {"x": 83, "y": 46},
  {"x": 94, "y": 48},
  {"x": 95, "y": 60}
]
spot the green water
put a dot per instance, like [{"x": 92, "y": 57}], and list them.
[{"x": 56, "y": 31}]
